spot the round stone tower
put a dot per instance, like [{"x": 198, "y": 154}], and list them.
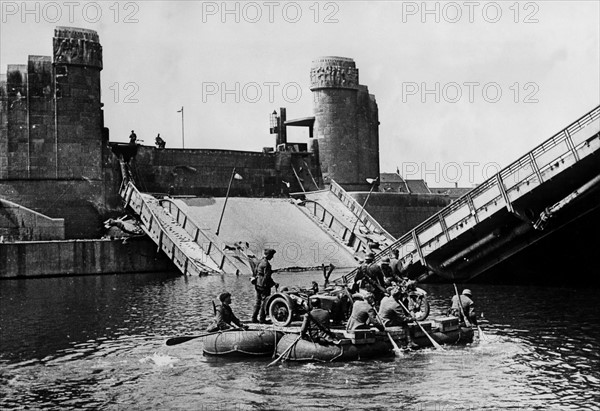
[
  {"x": 79, "y": 118},
  {"x": 346, "y": 124}
]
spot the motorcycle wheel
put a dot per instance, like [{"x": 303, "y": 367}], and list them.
[{"x": 280, "y": 312}]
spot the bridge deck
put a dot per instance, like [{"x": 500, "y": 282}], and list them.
[{"x": 503, "y": 208}]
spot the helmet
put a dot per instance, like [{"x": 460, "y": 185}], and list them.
[{"x": 466, "y": 291}]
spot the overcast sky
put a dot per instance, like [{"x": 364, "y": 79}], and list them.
[{"x": 543, "y": 57}]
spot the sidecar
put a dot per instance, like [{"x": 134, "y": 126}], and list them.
[{"x": 290, "y": 305}]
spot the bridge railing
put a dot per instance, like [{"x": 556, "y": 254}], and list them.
[
  {"x": 133, "y": 199},
  {"x": 208, "y": 246},
  {"x": 335, "y": 225},
  {"x": 359, "y": 212},
  {"x": 517, "y": 179}
]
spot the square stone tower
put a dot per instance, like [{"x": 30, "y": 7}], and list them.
[{"x": 52, "y": 154}]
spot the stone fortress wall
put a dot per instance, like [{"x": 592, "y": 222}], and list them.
[
  {"x": 56, "y": 158},
  {"x": 53, "y": 159}
]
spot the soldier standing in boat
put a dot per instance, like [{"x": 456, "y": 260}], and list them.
[
  {"x": 263, "y": 282},
  {"x": 394, "y": 263},
  {"x": 376, "y": 278},
  {"x": 360, "y": 280},
  {"x": 224, "y": 316},
  {"x": 386, "y": 271},
  {"x": 468, "y": 307},
  {"x": 132, "y": 138}
]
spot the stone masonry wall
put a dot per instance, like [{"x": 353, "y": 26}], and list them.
[
  {"x": 81, "y": 257},
  {"x": 18, "y": 223},
  {"x": 398, "y": 213},
  {"x": 53, "y": 154},
  {"x": 3, "y": 128},
  {"x": 205, "y": 172}
]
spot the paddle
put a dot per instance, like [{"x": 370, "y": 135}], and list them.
[
  {"x": 482, "y": 336},
  {"x": 468, "y": 324},
  {"x": 433, "y": 342},
  {"x": 288, "y": 349},
  {"x": 397, "y": 349},
  {"x": 182, "y": 339}
]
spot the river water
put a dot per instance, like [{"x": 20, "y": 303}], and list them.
[{"x": 98, "y": 343}]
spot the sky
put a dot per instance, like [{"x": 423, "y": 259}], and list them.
[{"x": 463, "y": 88}]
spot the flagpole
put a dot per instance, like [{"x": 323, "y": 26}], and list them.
[
  {"x": 182, "y": 133},
  {"x": 225, "y": 203},
  {"x": 362, "y": 209}
]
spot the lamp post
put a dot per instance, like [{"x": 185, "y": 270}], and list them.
[
  {"x": 235, "y": 176},
  {"x": 182, "y": 137},
  {"x": 371, "y": 181}
]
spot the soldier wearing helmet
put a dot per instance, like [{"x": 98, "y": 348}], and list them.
[{"x": 464, "y": 308}]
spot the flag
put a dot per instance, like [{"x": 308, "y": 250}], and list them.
[
  {"x": 237, "y": 176},
  {"x": 179, "y": 111},
  {"x": 397, "y": 170}
]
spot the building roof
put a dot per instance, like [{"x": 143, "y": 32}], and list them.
[
  {"x": 390, "y": 178},
  {"x": 301, "y": 122},
  {"x": 417, "y": 187}
]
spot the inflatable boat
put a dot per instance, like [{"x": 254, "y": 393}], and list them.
[
  {"x": 242, "y": 343},
  {"x": 347, "y": 350},
  {"x": 443, "y": 330}
]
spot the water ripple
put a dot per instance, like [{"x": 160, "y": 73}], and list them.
[{"x": 98, "y": 343}]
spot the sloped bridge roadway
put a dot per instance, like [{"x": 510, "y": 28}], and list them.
[
  {"x": 178, "y": 237},
  {"x": 547, "y": 188}
]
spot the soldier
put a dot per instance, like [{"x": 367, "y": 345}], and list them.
[
  {"x": 393, "y": 315},
  {"x": 160, "y": 143},
  {"x": 468, "y": 307},
  {"x": 263, "y": 282},
  {"x": 363, "y": 315},
  {"x": 132, "y": 137},
  {"x": 376, "y": 278},
  {"x": 363, "y": 270},
  {"x": 316, "y": 324},
  {"x": 224, "y": 316},
  {"x": 394, "y": 263}
]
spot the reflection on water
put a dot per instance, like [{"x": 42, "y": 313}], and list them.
[{"x": 98, "y": 342}]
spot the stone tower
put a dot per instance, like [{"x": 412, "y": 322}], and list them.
[
  {"x": 346, "y": 124},
  {"x": 77, "y": 65},
  {"x": 51, "y": 115},
  {"x": 52, "y": 142}
]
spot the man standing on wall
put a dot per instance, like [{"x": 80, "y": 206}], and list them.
[{"x": 263, "y": 282}]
